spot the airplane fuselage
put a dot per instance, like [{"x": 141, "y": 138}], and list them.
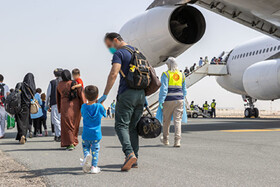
[{"x": 244, "y": 56}]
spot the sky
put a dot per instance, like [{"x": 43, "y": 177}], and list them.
[{"x": 38, "y": 36}]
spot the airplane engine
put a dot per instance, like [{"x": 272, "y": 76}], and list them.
[
  {"x": 262, "y": 80},
  {"x": 164, "y": 31}
]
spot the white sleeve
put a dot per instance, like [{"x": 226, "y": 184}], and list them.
[
  {"x": 6, "y": 89},
  {"x": 48, "y": 94}
]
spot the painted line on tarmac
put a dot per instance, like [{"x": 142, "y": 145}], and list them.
[{"x": 252, "y": 130}]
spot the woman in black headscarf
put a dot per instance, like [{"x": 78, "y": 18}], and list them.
[
  {"x": 28, "y": 89},
  {"x": 69, "y": 104}
]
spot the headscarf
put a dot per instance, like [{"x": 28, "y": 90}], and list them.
[
  {"x": 28, "y": 88},
  {"x": 171, "y": 64},
  {"x": 66, "y": 75}
]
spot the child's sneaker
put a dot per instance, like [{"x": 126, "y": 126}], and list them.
[
  {"x": 86, "y": 163},
  {"x": 95, "y": 170}
]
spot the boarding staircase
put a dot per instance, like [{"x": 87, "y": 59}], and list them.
[{"x": 195, "y": 76}]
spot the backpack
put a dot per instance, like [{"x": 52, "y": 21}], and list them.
[
  {"x": 139, "y": 75},
  {"x": 13, "y": 102},
  {"x": 2, "y": 94}
]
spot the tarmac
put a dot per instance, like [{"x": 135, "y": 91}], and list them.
[{"x": 214, "y": 152}]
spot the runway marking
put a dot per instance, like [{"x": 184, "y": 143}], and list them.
[{"x": 251, "y": 130}]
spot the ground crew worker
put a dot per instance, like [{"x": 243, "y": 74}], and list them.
[
  {"x": 171, "y": 101},
  {"x": 205, "y": 108},
  {"x": 213, "y": 109},
  {"x": 192, "y": 105}
]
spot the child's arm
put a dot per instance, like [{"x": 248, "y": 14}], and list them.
[{"x": 76, "y": 86}]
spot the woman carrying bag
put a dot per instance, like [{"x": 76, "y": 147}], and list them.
[{"x": 28, "y": 89}]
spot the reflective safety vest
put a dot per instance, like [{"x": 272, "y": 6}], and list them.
[
  {"x": 213, "y": 105},
  {"x": 205, "y": 107},
  {"x": 175, "y": 83},
  {"x": 192, "y": 107}
]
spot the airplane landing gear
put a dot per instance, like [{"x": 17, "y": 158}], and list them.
[{"x": 250, "y": 110}]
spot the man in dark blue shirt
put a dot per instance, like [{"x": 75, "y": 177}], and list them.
[{"x": 130, "y": 102}]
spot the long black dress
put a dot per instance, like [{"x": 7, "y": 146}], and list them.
[{"x": 22, "y": 118}]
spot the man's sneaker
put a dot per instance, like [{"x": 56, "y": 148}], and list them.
[
  {"x": 177, "y": 143},
  {"x": 55, "y": 138},
  {"x": 22, "y": 140},
  {"x": 86, "y": 163},
  {"x": 135, "y": 165},
  {"x": 46, "y": 133},
  {"x": 164, "y": 141},
  {"x": 95, "y": 170},
  {"x": 30, "y": 134},
  {"x": 129, "y": 161},
  {"x": 70, "y": 147}
]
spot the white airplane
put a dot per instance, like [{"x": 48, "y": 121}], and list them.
[{"x": 169, "y": 27}]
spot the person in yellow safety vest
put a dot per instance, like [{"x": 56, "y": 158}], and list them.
[
  {"x": 192, "y": 105},
  {"x": 172, "y": 95},
  {"x": 213, "y": 109},
  {"x": 205, "y": 107}
]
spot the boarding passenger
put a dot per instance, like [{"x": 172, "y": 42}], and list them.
[
  {"x": 36, "y": 118},
  {"x": 187, "y": 71},
  {"x": 172, "y": 101},
  {"x": 200, "y": 63},
  {"x": 193, "y": 67},
  {"x": 28, "y": 89},
  {"x": 213, "y": 108},
  {"x": 4, "y": 91},
  {"x": 130, "y": 102},
  {"x": 92, "y": 113},
  {"x": 51, "y": 104},
  {"x": 69, "y": 104},
  {"x": 206, "y": 61}
]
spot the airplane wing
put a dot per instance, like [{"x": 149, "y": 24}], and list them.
[{"x": 261, "y": 15}]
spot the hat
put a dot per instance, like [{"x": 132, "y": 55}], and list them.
[{"x": 57, "y": 72}]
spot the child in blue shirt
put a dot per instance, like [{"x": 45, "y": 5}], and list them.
[{"x": 92, "y": 113}]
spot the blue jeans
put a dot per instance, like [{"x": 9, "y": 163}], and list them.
[{"x": 93, "y": 147}]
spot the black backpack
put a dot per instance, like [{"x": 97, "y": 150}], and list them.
[
  {"x": 149, "y": 126},
  {"x": 139, "y": 76},
  {"x": 13, "y": 102},
  {"x": 2, "y": 94}
]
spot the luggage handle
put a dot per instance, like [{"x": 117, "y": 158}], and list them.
[{"x": 149, "y": 111}]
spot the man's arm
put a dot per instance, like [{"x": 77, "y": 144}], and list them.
[{"x": 116, "y": 67}]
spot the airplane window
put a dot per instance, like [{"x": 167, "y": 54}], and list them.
[
  {"x": 247, "y": 54},
  {"x": 279, "y": 47},
  {"x": 271, "y": 49},
  {"x": 263, "y": 50},
  {"x": 253, "y": 53},
  {"x": 250, "y": 53},
  {"x": 243, "y": 55},
  {"x": 267, "y": 49},
  {"x": 275, "y": 48},
  {"x": 257, "y": 52},
  {"x": 237, "y": 56}
]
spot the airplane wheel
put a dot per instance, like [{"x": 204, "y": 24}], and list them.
[
  {"x": 195, "y": 115},
  {"x": 256, "y": 112},
  {"x": 248, "y": 112}
]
